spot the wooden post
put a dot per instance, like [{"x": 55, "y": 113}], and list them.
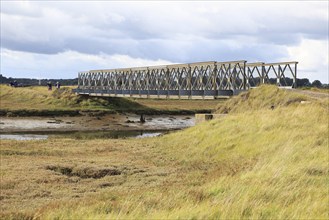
[
  {"x": 148, "y": 82},
  {"x": 189, "y": 81},
  {"x": 214, "y": 82},
  {"x": 263, "y": 74},
  {"x": 245, "y": 79},
  {"x": 278, "y": 76},
  {"x": 294, "y": 84}
]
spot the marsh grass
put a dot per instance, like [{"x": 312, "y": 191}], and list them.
[
  {"x": 263, "y": 97},
  {"x": 315, "y": 89},
  {"x": 37, "y": 100},
  {"x": 63, "y": 99},
  {"x": 257, "y": 162}
]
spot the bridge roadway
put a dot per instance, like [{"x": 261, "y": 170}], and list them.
[{"x": 202, "y": 80}]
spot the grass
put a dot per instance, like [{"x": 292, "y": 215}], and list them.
[
  {"x": 261, "y": 98},
  {"x": 257, "y": 162},
  {"x": 38, "y": 100},
  {"x": 315, "y": 89}
]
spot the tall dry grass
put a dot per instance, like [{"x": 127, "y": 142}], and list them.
[{"x": 257, "y": 162}]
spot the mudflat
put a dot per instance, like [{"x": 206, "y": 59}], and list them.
[{"x": 95, "y": 123}]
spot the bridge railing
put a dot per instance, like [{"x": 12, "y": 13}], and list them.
[{"x": 200, "y": 80}]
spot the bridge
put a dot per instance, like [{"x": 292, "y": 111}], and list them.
[{"x": 201, "y": 80}]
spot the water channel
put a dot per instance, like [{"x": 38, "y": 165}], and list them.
[
  {"x": 81, "y": 135},
  {"x": 98, "y": 127}
]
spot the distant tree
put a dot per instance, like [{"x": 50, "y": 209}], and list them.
[
  {"x": 317, "y": 83},
  {"x": 303, "y": 82},
  {"x": 35, "y": 82}
]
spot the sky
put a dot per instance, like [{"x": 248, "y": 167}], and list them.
[{"x": 57, "y": 39}]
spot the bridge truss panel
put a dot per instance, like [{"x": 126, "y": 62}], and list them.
[
  {"x": 201, "y": 80},
  {"x": 231, "y": 76},
  {"x": 282, "y": 74}
]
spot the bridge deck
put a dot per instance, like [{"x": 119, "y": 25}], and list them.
[{"x": 162, "y": 94}]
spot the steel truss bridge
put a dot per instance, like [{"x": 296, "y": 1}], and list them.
[{"x": 202, "y": 80}]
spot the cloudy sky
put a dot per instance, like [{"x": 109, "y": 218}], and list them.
[{"x": 57, "y": 39}]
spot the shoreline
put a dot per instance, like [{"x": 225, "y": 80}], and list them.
[
  {"x": 109, "y": 122},
  {"x": 77, "y": 113}
]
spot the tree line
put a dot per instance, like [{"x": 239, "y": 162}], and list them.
[
  {"x": 36, "y": 82},
  {"x": 304, "y": 82}
]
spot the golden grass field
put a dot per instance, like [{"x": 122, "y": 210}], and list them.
[{"x": 267, "y": 159}]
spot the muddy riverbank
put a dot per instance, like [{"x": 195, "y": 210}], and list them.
[
  {"x": 71, "y": 113},
  {"x": 114, "y": 122}
]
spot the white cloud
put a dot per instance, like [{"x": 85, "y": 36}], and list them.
[
  {"x": 174, "y": 31},
  {"x": 313, "y": 59},
  {"x": 66, "y": 64}
]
